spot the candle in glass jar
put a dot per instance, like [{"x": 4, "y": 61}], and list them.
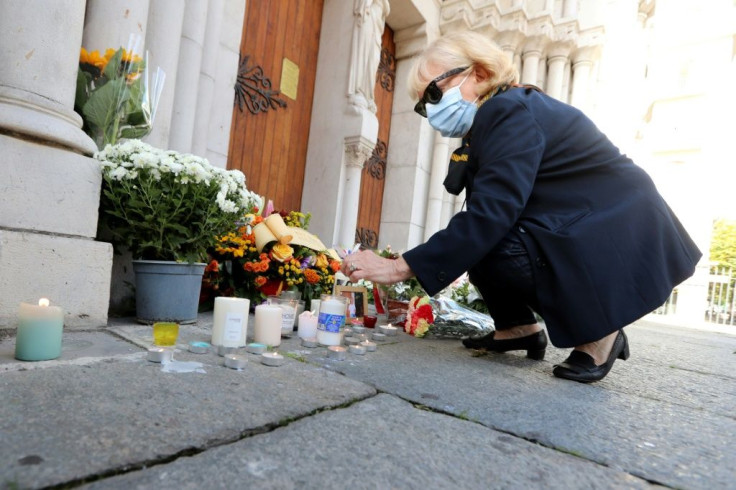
[
  {"x": 230, "y": 321},
  {"x": 331, "y": 320},
  {"x": 39, "y": 331},
  {"x": 307, "y": 325},
  {"x": 268, "y": 325}
]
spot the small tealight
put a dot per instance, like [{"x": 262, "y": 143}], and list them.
[
  {"x": 358, "y": 330},
  {"x": 388, "y": 330},
  {"x": 199, "y": 347},
  {"x": 336, "y": 353},
  {"x": 347, "y": 332},
  {"x": 234, "y": 361},
  {"x": 223, "y": 351},
  {"x": 255, "y": 348},
  {"x": 310, "y": 342},
  {"x": 159, "y": 354},
  {"x": 273, "y": 359},
  {"x": 369, "y": 346},
  {"x": 379, "y": 337},
  {"x": 352, "y": 340},
  {"x": 357, "y": 349}
]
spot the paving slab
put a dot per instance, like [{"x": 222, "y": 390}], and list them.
[
  {"x": 642, "y": 418},
  {"x": 66, "y": 422},
  {"x": 381, "y": 442},
  {"x": 75, "y": 345}
]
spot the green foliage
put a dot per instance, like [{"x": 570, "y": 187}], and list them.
[
  {"x": 723, "y": 244},
  {"x": 467, "y": 295}
]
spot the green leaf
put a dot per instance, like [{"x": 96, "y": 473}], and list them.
[
  {"x": 102, "y": 107},
  {"x": 112, "y": 69}
]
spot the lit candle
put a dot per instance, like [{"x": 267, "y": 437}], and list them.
[
  {"x": 331, "y": 320},
  {"x": 160, "y": 354},
  {"x": 223, "y": 350},
  {"x": 307, "y": 325},
  {"x": 39, "y": 331},
  {"x": 273, "y": 359},
  {"x": 369, "y": 346},
  {"x": 352, "y": 340},
  {"x": 388, "y": 330},
  {"x": 369, "y": 321},
  {"x": 230, "y": 321},
  {"x": 234, "y": 361},
  {"x": 358, "y": 330},
  {"x": 357, "y": 349},
  {"x": 268, "y": 325},
  {"x": 336, "y": 352}
]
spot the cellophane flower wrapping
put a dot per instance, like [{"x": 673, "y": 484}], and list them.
[{"x": 453, "y": 320}]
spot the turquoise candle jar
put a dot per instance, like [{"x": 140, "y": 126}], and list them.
[{"x": 39, "y": 332}]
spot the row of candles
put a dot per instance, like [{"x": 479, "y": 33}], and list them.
[{"x": 275, "y": 319}]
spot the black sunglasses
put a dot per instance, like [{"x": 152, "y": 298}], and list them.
[{"x": 433, "y": 94}]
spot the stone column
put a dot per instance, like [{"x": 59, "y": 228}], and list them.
[
  {"x": 530, "y": 65},
  {"x": 569, "y": 8},
  {"x": 440, "y": 159},
  {"x": 357, "y": 151},
  {"x": 206, "y": 87},
  {"x": 187, "y": 79},
  {"x": 580, "y": 79},
  {"x": 556, "y": 60},
  {"x": 163, "y": 39},
  {"x": 49, "y": 189},
  {"x": 110, "y": 24}
]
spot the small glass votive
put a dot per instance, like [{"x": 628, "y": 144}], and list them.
[
  {"x": 369, "y": 321},
  {"x": 165, "y": 333}
]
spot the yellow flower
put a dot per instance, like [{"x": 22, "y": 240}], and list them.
[
  {"x": 281, "y": 252},
  {"x": 92, "y": 58},
  {"x": 321, "y": 261}
]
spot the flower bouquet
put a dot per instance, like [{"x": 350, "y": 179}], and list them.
[
  {"x": 238, "y": 266},
  {"x": 164, "y": 205},
  {"x": 115, "y": 96},
  {"x": 419, "y": 316}
]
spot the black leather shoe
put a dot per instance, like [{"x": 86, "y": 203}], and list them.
[
  {"x": 581, "y": 367},
  {"x": 534, "y": 344}
]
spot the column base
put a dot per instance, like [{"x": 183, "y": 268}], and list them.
[{"x": 73, "y": 273}]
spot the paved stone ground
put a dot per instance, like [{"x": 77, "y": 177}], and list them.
[{"x": 418, "y": 413}]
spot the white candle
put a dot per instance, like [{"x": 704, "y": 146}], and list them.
[
  {"x": 38, "y": 337},
  {"x": 331, "y": 320},
  {"x": 234, "y": 361},
  {"x": 273, "y": 359},
  {"x": 307, "y": 325},
  {"x": 315, "y": 306},
  {"x": 268, "y": 325},
  {"x": 369, "y": 346},
  {"x": 336, "y": 352},
  {"x": 309, "y": 342},
  {"x": 288, "y": 315},
  {"x": 388, "y": 330},
  {"x": 159, "y": 354},
  {"x": 379, "y": 337},
  {"x": 357, "y": 349},
  {"x": 231, "y": 321}
]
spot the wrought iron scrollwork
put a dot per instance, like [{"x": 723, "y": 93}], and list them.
[
  {"x": 253, "y": 89},
  {"x": 376, "y": 164},
  {"x": 387, "y": 70},
  {"x": 366, "y": 237}
]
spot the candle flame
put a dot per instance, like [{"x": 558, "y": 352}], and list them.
[{"x": 43, "y": 302}]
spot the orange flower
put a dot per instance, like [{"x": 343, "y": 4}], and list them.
[
  {"x": 311, "y": 276},
  {"x": 281, "y": 252},
  {"x": 213, "y": 266},
  {"x": 260, "y": 281},
  {"x": 335, "y": 265}
]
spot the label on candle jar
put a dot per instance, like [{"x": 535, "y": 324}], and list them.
[
  {"x": 233, "y": 327},
  {"x": 330, "y": 323}
]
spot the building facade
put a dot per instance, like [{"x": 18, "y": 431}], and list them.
[{"x": 307, "y": 97}]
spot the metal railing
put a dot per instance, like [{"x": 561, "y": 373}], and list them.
[{"x": 720, "y": 305}]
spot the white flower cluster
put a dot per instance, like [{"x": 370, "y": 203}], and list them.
[{"x": 128, "y": 160}]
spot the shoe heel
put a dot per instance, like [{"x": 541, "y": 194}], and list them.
[
  {"x": 624, "y": 354},
  {"x": 537, "y": 355}
]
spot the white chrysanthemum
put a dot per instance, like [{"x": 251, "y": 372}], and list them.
[{"x": 118, "y": 173}]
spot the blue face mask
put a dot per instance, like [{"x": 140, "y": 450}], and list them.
[{"x": 452, "y": 116}]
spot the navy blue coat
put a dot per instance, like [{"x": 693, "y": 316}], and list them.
[{"x": 606, "y": 247}]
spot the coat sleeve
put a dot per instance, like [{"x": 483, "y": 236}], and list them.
[{"x": 508, "y": 145}]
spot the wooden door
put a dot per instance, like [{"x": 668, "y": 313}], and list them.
[
  {"x": 374, "y": 170},
  {"x": 273, "y": 97}
]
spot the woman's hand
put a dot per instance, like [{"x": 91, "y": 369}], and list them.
[{"x": 372, "y": 267}]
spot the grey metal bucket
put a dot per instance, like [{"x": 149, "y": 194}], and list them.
[{"x": 167, "y": 291}]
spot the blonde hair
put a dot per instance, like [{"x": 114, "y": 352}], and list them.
[{"x": 458, "y": 49}]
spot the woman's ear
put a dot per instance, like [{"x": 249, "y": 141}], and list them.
[{"x": 481, "y": 74}]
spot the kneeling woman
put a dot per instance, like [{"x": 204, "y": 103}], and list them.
[{"x": 558, "y": 221}]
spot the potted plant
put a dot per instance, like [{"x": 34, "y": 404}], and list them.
[{"x": 166, "y": 208}]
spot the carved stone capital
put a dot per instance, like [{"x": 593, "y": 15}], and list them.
[{"x": 357, "y": 150}]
